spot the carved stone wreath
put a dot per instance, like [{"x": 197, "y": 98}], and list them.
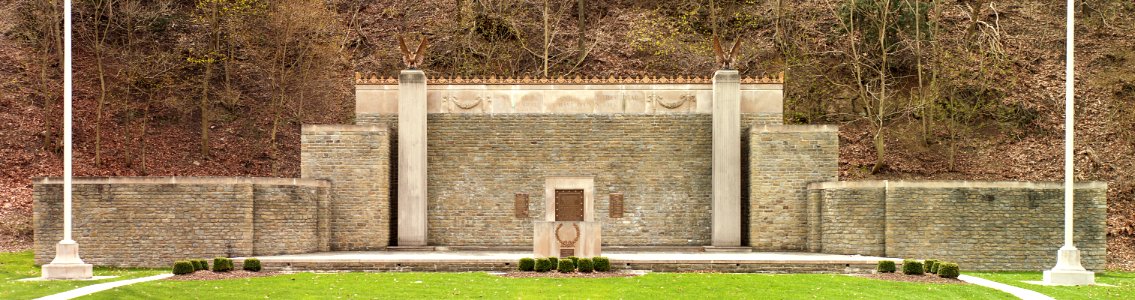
[{"x": 570, "y": 243}]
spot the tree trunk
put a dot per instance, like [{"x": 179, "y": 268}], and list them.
[
  {"x": 204, "y": 108},
  {"x": 101, "y": 33},
  {"x": 98, "y": 109},
  {"x": 547, "y": 38},
  {"x": 880, "y": 111},
  {"x": 713, "y": 17},
  {"x": 581, "y": 45}
]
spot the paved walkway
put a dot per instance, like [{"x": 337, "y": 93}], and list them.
[
  {"x": 91, "y": 289},
  {"x": 1016, "y": 291},
  {"x": 615, "y": 256}
]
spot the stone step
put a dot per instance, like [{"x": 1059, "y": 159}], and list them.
[
  {"x": 411, "y": 248},
  {"x": 727, "y": 249}
]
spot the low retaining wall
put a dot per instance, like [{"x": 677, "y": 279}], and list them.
[
  {"x": 152, "y": 221},
  {"x": 980, "y": 225}
]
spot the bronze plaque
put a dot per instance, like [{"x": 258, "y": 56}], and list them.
[
  {"x": 615, "y": 207},
  {"x": 520, "y": 208},
  {"x": 569, "y": 205},
  {"x": 567, "y": 252}
]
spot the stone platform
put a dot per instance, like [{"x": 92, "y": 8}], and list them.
[{"x": 461, "y": 261}]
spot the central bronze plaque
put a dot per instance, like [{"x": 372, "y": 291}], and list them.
[
  {"x": 567, "y": 252},
  {"x": 569, "y": 205}
]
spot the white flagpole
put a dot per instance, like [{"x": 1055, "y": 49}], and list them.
[
  {"x": 67, "y": 96},
  {"x": 1068, "y": 269},
  {"x": 67, "y": 264}
]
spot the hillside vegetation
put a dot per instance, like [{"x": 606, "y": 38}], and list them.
[{"x": 941, "y": 89}]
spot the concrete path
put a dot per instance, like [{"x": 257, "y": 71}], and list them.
[
  {"x": 615, "y": 256},
  {"x": 1016, "y": 291},
  {"x": 91, "y": 289}
]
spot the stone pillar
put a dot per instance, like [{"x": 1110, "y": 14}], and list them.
[
  {"x": 726, "y": 159},
  {"x": 412, "y": 158}
]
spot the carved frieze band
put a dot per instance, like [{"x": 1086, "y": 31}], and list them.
[{"x": 373, "y": 78}]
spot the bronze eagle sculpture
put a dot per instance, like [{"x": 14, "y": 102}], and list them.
[
  {"x": 412, "y": 59},
  {"x": 725, "y": 59}
]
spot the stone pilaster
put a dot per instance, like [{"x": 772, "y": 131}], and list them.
[
  {"x": 726, "y": 159},
  {"x": 412, "y": 158}
]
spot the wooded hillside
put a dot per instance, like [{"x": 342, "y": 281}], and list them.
[{"x": 939, "y": 89}]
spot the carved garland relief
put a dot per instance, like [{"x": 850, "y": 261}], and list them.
[
  {"x": 654, "y": 101},
  {"x": 449, "y": 102}
]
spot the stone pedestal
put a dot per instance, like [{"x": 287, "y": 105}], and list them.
[
  {"x": 67, "y": 264},
  {"x": 726, "y": 159},
  {"x": 412, "y": 158},
  {"x": 1068, "y": 270},
  {"x": 547, "y": 244}
]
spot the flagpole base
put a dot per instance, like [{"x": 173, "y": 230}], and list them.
[
  {"x": 67, "y": 264},
  {"x": 1068, "y": 270}
]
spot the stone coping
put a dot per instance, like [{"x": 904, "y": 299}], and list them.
[
  {"x": 343, "y": 127},
  {"x": 795, "y": 128},
  {"x": 1045, "y": 185},
  {"x": 187, "y": 180}
]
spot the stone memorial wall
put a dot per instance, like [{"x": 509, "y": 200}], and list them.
[
  {"x": 152, "y": 221},
  {"x": 980, "y": 225},
  {"x": 489, "y": 145},
  {"x": 355, "y": 159}
]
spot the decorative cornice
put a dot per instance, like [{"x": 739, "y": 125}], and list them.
[{"x": 373, "y": 79}]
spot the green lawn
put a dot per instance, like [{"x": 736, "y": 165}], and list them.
[
  {"x": 480, "y": 285},
  {"x": 1124, "y": 285},
  {"x": 18, "y": 265}
]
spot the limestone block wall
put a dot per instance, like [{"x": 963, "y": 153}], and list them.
[
  {"x": 783, "y": 160},
  {"x": 356, "y": 159},
  {"x": 152, "y": 221},
  {"x": 853, "y": 215},
  {"x": 478, "y": 162},
  {"x": 980, "y": 225},
  {"x": 289, "y": 217}
]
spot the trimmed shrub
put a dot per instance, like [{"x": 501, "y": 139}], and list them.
[
  {"x": 251, "y": 264},
  {"x": 574, "y": 260},
  {"x": 222, "y": 264},
  {"x": 527, "y": 264},
  {"x": 912, "y": 267},
  {"x": 585, "y": 265},
  {"x": 886, "y": 266},
  {"x": 948, "y": 270},
  {"x": 543, "y": 265},
  {"x": 602, "y": 264},
  {"x": 182, "y": 267},
  {"x": 566, "y": 266},
  {"x": 204, "y": 264},
  {"x": 195, "y": 263},
  {"x": 555, "y": 262},
  {"x": 931, "y": 266}
]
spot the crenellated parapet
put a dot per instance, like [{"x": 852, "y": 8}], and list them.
[{"x": 372, "y": 78}]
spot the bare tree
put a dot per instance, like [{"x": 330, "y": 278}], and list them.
[{"x": 100, "y": 22}]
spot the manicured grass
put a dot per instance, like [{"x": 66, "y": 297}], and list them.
[
  {"x": 19, "y": 265},
  {"x": 1124, "y": 285},
  {"x": 480, "y": 285}
]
